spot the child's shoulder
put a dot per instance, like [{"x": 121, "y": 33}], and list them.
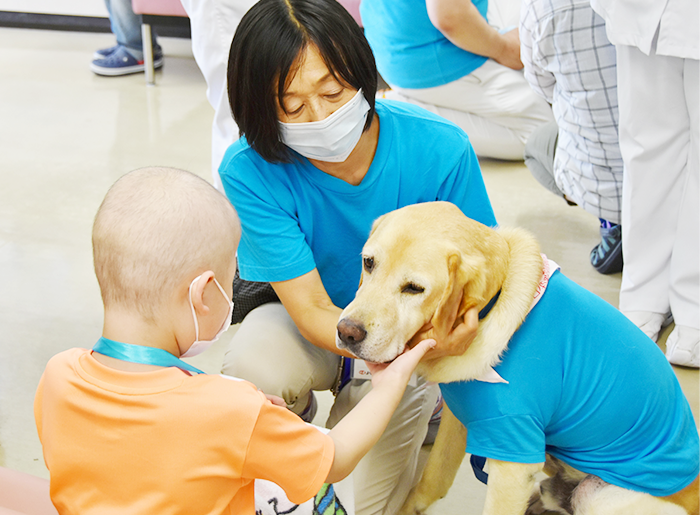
[
  {"x": 66, "y": 358},
  {"x": 229, "y": 398},
  {"x": 232, "y": 383},
  {"x": 231, "y": 391}
]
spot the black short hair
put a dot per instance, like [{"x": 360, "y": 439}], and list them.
[{"x": 269, "y": 38}]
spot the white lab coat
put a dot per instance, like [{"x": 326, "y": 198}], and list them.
[
  {"x": 658, "y": 89},
  {"x": 635, "y": 22}
]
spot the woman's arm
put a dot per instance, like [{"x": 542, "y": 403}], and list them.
[
  {"x": 311, "y": 309},
  {"x": 462, "y": 23}
]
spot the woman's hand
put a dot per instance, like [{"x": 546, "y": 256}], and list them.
[
  {"x": 509, "y": 54},
  {"x": 462, "y": 24},
  {"x": 458, "y": 340}
]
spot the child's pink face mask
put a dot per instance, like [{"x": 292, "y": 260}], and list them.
[{"x": 200, "y": 346}]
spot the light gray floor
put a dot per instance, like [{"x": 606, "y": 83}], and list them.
[{"x": 66, "y": 135}]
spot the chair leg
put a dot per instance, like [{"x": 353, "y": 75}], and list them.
[{"x": 148, "y": 54}]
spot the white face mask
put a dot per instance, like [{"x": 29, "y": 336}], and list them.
[
  {"x": 200, "y": 346},
  {"x": 331, "y": 139}
]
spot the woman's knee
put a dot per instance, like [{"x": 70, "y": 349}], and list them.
[
  {"x": 269, "y": 351},
  {"x": 262, "y": 338}
]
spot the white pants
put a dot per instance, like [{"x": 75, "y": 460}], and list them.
[
  {"x": 213, "y": 24},
  {"x": 494, "y": 104},
  {"x": 268, "y": 351},
  {"x": 659, "y": 106}
]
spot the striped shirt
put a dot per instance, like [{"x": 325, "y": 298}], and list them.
[{"x": 570, "y": 62}]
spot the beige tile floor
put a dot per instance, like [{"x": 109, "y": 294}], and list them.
[{"x": 66, "y": 135}]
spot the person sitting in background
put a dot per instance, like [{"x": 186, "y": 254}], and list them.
[
  {"x": 129, "y": 427},
  {"x": 126, "y": 56},
  {"x": 451, "y": 58},
  {"x": 569, "y": 61}
]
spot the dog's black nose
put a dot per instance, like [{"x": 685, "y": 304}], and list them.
[{"x": 351, "y": 332}]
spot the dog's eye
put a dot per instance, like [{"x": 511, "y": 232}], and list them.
[
  {"x": 368, "y": 264},
  {"x": 413, "y": 289}
]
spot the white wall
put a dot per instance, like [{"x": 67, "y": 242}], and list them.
[{"x": 70, "y": 7}]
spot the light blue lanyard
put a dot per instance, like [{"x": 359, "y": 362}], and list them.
[{"x": 141, "y": 354}]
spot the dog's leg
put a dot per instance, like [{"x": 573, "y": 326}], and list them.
[
  {"x": 510, "y": 486},
  {"x": 443, "y": 463},
  {"x": 596, "y": 497},
  {"x": 689, "y": 497}
]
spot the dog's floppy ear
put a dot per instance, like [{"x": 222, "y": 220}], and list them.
[
  {"x": 451, "y": 297},
  {"x": 475, "y": 282},
  {"x": 463, "y": 291}
]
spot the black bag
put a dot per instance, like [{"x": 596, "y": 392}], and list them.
[{"x": 248, "y": 295}]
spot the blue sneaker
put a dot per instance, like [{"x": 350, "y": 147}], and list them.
[
  {"x": 606, "y": 257},
  {"x": 121, "y": 62},
  {"x": 104, "y": 52}
]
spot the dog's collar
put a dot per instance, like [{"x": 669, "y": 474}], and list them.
[
  {"x": 490, "y": 376},
  {"x": 548, "y": 268},
  {"x": 487, "y": 308}
]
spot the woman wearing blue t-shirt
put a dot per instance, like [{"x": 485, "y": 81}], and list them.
[{"x": 318, "y": 162}]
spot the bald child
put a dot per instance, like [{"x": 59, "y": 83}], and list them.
[{"x": 128, "y": 427}]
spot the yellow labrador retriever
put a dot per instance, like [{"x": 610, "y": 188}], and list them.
[{"x": 554, "y": 374}]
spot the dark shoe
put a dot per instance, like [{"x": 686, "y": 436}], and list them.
[
  {"x": 104, "y": 52},
  {"x": 121, "y": 62},
  {"x": 606, "y": 257}
]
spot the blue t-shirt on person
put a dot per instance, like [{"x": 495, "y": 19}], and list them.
[
  {"x": 409, "y": 50},
  {"x": 296, "y": 218},
  {"x": 599, "y": 396}
]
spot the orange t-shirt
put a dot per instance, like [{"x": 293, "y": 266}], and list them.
[{"x": 166, "y": 442}]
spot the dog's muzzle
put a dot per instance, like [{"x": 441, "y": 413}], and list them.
[{"x": 351, "y": 333}]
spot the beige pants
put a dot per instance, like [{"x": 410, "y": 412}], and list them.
[{"x": 268, "y": 351}]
